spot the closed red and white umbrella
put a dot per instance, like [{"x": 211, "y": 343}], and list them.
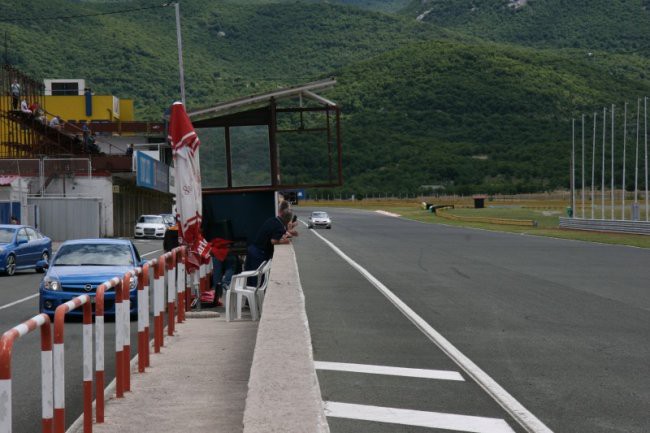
[{"x": 185, "y": 145}]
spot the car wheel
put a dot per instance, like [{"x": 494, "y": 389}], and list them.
[
  {"x": 329, "y": 227},
  {"x": 10, "y": 266},
  {"x": 310, "y": 227},
  {"x": 45, "y": 256}
]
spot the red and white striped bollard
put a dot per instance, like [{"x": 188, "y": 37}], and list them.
[
  {"x": 58, "y": 355},
  {"x": 7, "y": 340}
]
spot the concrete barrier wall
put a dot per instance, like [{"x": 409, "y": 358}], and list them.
[{"x": 283, "y": 391}]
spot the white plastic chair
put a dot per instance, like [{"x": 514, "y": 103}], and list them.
[
  {"x": 239, "y": 290},
  {"x": 262, "y": 284}
]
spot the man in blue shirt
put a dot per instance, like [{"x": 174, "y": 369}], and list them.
[{"x": 273, "y": 232}]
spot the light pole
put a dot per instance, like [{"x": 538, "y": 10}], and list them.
[{"x": 180, "y": 50}]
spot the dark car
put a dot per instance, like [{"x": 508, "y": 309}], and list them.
[
  {"x": 79, "y": 266},
  {"x": 169, "y": 219},
  {"x": 22, "y": 247}
]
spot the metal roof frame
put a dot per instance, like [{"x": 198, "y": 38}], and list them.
[{"x": 305, "y": 90}]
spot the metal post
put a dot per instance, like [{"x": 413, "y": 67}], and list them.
[
  {"x": 636, "y": 153},
  {"x": 602, "y": 171},
  {"x": 582, "y": 167},
  {"x": 645, "y": 139},
  {"x": 593, "y": 165},
  {"x": 180, "y": 50},
  {"x": 612, "y": 189},
  {"x": 624, "y": 144},
  {"x": 573, "y": 167}
]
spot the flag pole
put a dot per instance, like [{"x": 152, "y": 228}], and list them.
[
  {"x": 573, "y": 168},
  {"x": 593, "y": 165},
  {"x": 612, "y": 188},
  {"x": 645, "y": 139},
  {"x": 636, "y": 153},
  {"x": 624, "y": 145},
  {"x": 602, "y": 171},
  {"x": 582, "y": 167}
]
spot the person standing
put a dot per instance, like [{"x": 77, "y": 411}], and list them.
[{"x": 15, "y": 94}]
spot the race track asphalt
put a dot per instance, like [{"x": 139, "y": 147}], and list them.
[{"x": 561, "y": 325}]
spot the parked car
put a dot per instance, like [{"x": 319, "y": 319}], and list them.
[
  {"x": 22, "y": 247},
  {"x": 168, "y": 219},
  {"x": 150, "y": 226},
  {"x": 80, "y": 265},
  {"x": 319, "y": 219}
]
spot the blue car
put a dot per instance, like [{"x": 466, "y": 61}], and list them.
[
  {"x": 79, "y": 266},
  {"x": 22, "y": 247}
]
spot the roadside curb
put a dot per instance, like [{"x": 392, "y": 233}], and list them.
[
  {"x": 202, "y": 314},
  {"x": 283, "y": 391}
]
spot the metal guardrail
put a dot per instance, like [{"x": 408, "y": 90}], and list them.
[{"x": 616, "y": 226}]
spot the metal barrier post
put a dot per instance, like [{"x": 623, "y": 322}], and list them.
[
  {"x": 188, "y": 286},
  {"x": 41, "y": 321},
  {"x": 208, "y": 277},
  {"x": 99, "y": 348},
  {"x": 59, "y": 363},
  {"x": 126, "y": 325},
  {"x": 171, "y": 291},
  {"x": 180, "y": 283},
  {"x": 158, "y": 303},
  {"x": 143, "y": 317}
]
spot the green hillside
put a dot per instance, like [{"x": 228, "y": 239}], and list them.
[
  {"x": 423, "y": 104},
  {"x": 620, "y": 25},
  {"x": 488, "y": 117},
  {"x": 230, "y": 49}
]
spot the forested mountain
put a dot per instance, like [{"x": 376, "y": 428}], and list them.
[
  {"x": 618, "y": 25},
  {"x": 430, "y": 101},
  {"x": 480, "y": 117},
  {"x": 230, "y": 49}
]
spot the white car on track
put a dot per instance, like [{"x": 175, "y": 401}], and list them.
[
  {"x": 319, "y": 219},
  {"x": 150, "y": 226}
]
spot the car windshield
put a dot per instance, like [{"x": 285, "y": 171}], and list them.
[
  {"x": 94, "y": 255},
  {"x": 151, "y": 219},
  {"x": 319, "y": 215},
  {"x": 7, "y": 235}
]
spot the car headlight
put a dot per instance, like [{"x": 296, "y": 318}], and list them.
[
  {"x": 2, "y": 250},
  {"x": 134, "y": 282},
  {"x": 51, "y": 284}
]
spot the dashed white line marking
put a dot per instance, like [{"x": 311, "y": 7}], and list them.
[
  {"x": 446, "y": 421},
  {"x": 18, "y": 301},
  {"x": 150, "y": 252},
  {"x": 389, "y": 371},
  {"x": 515, "y": 409}
]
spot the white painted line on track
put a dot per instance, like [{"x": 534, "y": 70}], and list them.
[
  {"x": 151, "y": 252},
  {"x": 390, "y": 214},
  {"x": 18, "y": 301},
  {"x": 516, "y": 410},
  {"x": 389, "y": 371},
  {"x": 446, "y": 421}
]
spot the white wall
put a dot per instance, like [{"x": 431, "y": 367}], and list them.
[{"x": 96, "y": 187}]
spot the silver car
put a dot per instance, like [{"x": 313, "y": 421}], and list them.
[{"x": 319, "y": 219}]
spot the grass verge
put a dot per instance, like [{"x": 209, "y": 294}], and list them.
[{"x": 545, "y": 213}]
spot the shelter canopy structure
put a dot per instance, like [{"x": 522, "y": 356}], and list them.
[{"x": 285, "y": 139}]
